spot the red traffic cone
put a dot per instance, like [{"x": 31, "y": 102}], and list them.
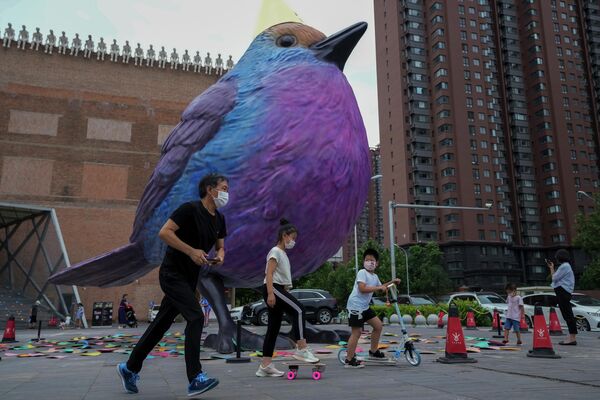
[
  {"x": 497, "y": 325},
  {"x": 456, "y": 350},
  {"x": 542, "y": 345},
  {"x": 471, "y": 325},
  {"x": 441, "y": 320},
  {"x": 495, "y": 320},
  {"x": 554, "y": 326},
  {"x": 9, "y": 331},
  {"x": 523, "y": 327}
]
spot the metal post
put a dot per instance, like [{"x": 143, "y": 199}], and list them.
[
  {"x": 238, "y": 347},
  {"x": 407, "y": 276},
  {"x": 63, "y": 248},
  {"x": 392, "y": 250},
  {"x": 355, "y": 250}
]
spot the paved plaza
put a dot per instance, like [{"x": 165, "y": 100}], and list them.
[{"x": 497, "y": 374}]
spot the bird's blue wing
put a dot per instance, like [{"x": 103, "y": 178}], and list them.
[{"x": 199, "y": 123}]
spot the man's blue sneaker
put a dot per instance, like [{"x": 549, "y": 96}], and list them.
[
  {"x": 128, "y": 378},
  {"x": 201, "y": 384}
]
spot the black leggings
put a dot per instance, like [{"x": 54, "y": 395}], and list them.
[
  {"x": 564, "y": 304},
  {"x": 180, "y": 298},
  {"x": 284, "y": 302}
]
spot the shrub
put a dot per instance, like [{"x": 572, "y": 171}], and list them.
[{"x": 482, "y": 317}]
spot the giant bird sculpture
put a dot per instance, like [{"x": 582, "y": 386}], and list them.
[{"x": 284, "y": 126}]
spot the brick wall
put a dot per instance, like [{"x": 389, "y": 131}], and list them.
[{"x": 83, "y": 136}]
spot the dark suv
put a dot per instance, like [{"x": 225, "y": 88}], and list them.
[{"x": 320, "y": 307}]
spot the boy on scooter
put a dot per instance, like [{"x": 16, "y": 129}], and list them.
[{"x": 359, "y": 311}]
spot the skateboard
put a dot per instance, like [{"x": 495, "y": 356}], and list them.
[{"x": 293, "y": 366}]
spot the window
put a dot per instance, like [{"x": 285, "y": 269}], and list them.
[
  {"x": 450, "y": 202},
  {"x": 451, "y": 218},
  {"x": 452, "y": 233},
  {"x": 449, "y": 172},
  {"x": 449, "y": 187},
  {"x": 553, "y": 209},
  {"x": 447, "y": 157},
  {"x": 441, "y": 86},
  {"x": 446, "y": 142},
  {"x": 441, "y": 72}
]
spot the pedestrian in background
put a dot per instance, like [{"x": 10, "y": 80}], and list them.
[
  {"x": 79, "y": 316},
  {"x": 33, "y": 315},
  {"x": 123, "y": 311},
  {"x": 563, "y": 282}
]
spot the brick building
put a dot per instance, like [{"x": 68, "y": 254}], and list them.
[
  {"x": 489, "y": 101},
  {"x": 83, "y": 136}
]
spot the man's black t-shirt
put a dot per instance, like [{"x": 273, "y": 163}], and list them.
[{"x": 197, "y": 228}]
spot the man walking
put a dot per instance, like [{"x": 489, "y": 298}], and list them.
[{"x": 190, "y": 233}]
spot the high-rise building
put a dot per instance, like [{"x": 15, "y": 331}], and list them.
[
  {"x": 370, "y": 222},
  {"x": 489, "y": 102}
]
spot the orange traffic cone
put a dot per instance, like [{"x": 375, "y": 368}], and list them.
[
  {"x": 542, "y": 345},
  {"x": 441, "y": 320},
  {"x": 554, "y": 327},
  {"x": 9, "y": 331},
  {"x": 523, "y": 327},
  {"x": 456, "y": 350},
  {"x": 471, "y": 325}
]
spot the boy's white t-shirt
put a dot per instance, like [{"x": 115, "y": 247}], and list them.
[
  {"x": 514, "y": 310},
  {"x": 359, "y": 301},
  {"x": 283, "y": 272}
]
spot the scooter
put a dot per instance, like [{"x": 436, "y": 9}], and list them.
[{"x": 406, "y": 347}]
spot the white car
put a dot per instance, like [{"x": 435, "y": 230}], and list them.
[
  {"x": 236, "y": 313},
  {"x": 585, "y": 308},
  {"x": 487, "y": 300}
]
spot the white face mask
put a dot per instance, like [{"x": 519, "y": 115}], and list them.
[
  {"x": 370, "y": 265},
  {"x": 221, "y": 199},
  {"x": 290, "y": 245}
]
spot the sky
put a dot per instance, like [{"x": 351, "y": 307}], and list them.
[{"x": 216, "y": 26}]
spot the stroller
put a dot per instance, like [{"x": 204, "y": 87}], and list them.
[{"x": 132, "y": 321}]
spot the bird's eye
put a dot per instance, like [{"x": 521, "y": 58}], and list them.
[{"x": 286, "y": 41}]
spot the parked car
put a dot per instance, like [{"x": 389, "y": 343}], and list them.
[
  {"x": 416, "y": 299},
  {"x": 152, "y": 312},
  {"x": 236, "y": 314},
  {"x": 585, "y": 308},
  {"x": 321, "y": 307},
  {"x": 487, "y": 300}
]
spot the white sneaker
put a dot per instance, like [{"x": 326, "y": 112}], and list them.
[
  {"x": 269, "y": 370},
  {"x": 305, "y": 355}
]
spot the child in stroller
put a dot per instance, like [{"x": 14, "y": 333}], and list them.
[{"x": 130, "y": 316}]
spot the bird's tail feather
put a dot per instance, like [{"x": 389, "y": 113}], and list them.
[{"x": 116, "y": 268}]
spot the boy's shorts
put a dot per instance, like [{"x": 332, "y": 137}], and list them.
[
  {"x": 357, "y": 319},
  {"x": 516, "y": 325}
]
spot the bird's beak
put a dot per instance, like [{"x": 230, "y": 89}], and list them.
[{"x": 337, "y": 47}]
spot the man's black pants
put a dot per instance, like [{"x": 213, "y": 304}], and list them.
[{"x": 179, "y": 299}]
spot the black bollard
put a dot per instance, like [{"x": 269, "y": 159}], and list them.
[
  {"x": 39, "y": 333},
  {"x": 238, "y": 347},
  {"x": 499, "y": 335}
]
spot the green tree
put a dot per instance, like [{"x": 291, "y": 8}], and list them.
[
  {"x": 590, "y": 279},
  {"x": 426, "y": 271},
  {"x": 588, "y": 238}
]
